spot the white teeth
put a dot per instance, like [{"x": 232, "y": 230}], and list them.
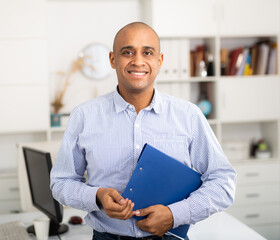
[{"x": 138, "y": 73}]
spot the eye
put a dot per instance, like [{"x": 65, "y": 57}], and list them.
[
  {"x": 127, "y": 52},
  {"x": 148, "y": 53}
]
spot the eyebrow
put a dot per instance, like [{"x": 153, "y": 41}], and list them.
[{"x": 131, "y": 47}]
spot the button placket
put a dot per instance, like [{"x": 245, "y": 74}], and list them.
[{"x": 137, "y": 137}]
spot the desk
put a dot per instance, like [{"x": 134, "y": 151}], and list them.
[
  {"x": 220, "y": 226},
  {"x": 75, "y": 232}
]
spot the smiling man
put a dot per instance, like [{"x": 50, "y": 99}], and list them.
[
  {"x": 137, "y": 59},
  {"x": 105, "y": 136}
]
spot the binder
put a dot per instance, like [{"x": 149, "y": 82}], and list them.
[
  {"x": 160, "y": 179},
  {"x": 174, "y": 60},
  {"x": 165, "y": 71}
]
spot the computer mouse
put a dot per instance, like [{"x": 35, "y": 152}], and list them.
[{"x": 75, "y": 220}]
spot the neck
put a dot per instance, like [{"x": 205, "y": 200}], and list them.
[{"x": 139, "y": 100}]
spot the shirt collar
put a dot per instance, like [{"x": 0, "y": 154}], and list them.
[
  {"x": 156, "y": 103},
  {"x": 121, "y": 104}
]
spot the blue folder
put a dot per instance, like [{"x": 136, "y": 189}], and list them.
[{"x": 160, "y": 179}]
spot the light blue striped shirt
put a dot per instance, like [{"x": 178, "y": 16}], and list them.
[{"x": 105, "y": 136}]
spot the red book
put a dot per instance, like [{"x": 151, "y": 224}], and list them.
[{"x": 233, "y": 60}]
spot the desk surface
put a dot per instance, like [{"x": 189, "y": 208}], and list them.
[{"x": 219, "y": 226}]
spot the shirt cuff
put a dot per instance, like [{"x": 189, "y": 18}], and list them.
[
  {"x": 181, "y": 213},
  {"x": 89, "y": 199}
]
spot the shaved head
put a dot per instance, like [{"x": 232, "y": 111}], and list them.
[
  {"x": 134, "y": 26},
  {"x": 137, "y": 59}
]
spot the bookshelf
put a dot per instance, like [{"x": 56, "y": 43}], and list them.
[{"x": 246, "y": 108}]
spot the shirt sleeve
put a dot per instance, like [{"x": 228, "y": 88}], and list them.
[
  {"x": 67, "y": 175},
  {"x": 218, "y": 177}
]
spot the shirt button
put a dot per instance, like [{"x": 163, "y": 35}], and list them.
[
  {"x": 130, "y": 106},
  {"x": 139, "y": 234},
  {"x": 137, "y": 125},
  {"x": 138, "y": 146}
]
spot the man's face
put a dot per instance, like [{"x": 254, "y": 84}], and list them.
[{"x": 137, "y": 59}]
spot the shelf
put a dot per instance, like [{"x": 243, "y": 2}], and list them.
[
  {"x": 189, "y": 80},
  {"x": 213, "y": 121},
  {"x": 202, "y": 79},
  {"x": 254, "y": 161},
  {"x": 172, "y": 81},
  {"x": 57, "y": 129},
  {"x": 250, "y": 77},
  {"x": 253, "y": 121},
  {"x": 26, "y": 131}
]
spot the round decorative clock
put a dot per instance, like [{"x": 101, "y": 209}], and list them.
[{"x": 96, "y": 61}]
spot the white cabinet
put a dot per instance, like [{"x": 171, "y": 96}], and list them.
[
  {"x": 245, "y": 108},
  {"x": 249, "y": 98},
  {"x": 249, "y": 17},
  {"x": 182, "y": 18},
  {"x": 9, "y": 197},
  {"x": 213, "y": 17},
  {"x": 257, "y": 202}
]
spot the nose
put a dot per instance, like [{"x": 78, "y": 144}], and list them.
[{"x": 138, "y": 59}]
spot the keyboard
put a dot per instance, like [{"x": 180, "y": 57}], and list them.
[{"x": 13, "y": 231}]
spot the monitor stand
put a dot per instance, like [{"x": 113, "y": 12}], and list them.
[{"x": 55, "y": 229}]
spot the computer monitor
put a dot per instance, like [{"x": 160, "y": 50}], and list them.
[{"x": 38, "y": 167}]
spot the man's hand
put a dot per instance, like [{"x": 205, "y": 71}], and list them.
[
  {"x": 114, "y": 204},
  {"x": 158, "y": 221}
]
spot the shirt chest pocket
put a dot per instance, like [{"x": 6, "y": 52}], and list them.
[{"x": 176, "y": 147}]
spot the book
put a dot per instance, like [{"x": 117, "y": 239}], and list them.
[
  {"x": 161, "y": 179},
  {"x": 247, "y": 69},
  {"x": 241, "y": 67},
  {"x": 235, "y": 59},
  {"x": 192, "y": 63},
  {"x": 224, "y": 61},
  {"x": 272, "y": 60},
  {"x": 263, "y": 51},
  {"x": 254, "y": 59}
]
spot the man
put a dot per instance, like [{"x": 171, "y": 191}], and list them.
[{"x": 105, "y": 136}]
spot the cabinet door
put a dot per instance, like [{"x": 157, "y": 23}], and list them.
[
  {"x": 24, "y": 108},
  {"x": 248, "y": 98},
  {"x": 257, "y": 194},
  {"x": 256, "y": 214},
  {"x": 9, "y": 189},
  {"x": 258, "y": 173},
  {"x": 182, "y": 18},
  {"x": 249, "y": 17}
]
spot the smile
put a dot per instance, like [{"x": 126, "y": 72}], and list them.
[{"x": 137, "y": 73}]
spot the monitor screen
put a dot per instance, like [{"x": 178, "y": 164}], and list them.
[{"x": 38, "y": 167}]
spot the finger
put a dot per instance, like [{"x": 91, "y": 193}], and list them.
[
  {"x": 144, "y": 211},
  {"x": 124, "y": 214},
  {"x": 116, "y": 207},
  {"x": 117, "y": 197},
  {"x": 121, "y": 208},
  {"x": 142, "y": 224}
]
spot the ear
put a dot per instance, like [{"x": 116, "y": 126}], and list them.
[
  {"x": 160, "y": 60},
  {"x": 112, "y": 59}
]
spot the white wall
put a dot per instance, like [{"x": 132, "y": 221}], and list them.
[
  {"x": 65, "y": 27},
  {"x": 72, "y": 25}
]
